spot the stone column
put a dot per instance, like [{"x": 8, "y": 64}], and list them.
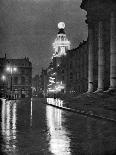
[
  {"x": 101, "y": 59},
  {"x": 90, "y": 58},
  {"x": 113, "y": 52}
]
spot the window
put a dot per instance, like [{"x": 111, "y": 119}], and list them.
[
  {"x": 62, "y": 78},
  {"x": 71, "y": 76},
  {"x": 23, "y": 71},
  {"x": 70, "y": 64},
  {"x": 15, "y": 80},
  {"x": 22, "y": 80}
]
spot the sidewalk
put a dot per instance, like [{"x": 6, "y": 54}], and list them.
[{"x": 98, "y": 104}]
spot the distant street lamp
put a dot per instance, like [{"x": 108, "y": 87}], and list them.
[
  {"x": 3, "y": 78},
  {"x": 11, "y": 70}
]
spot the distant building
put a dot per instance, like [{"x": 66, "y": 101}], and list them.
[
  {"x": 43, "y": 82},
  {"x": 60, "y": 46},
  {"x": 19, "y": 81},
  {"x": 68, "y": 71},
  {"x": 35, "y": 85},
  {"x": 61, "y": 43}
]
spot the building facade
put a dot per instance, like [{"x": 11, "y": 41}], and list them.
[
  {"x": 73, "y": 71},
  {"x": 61, "y": 43},
  {"x": 101, "y": 20},
  {"x": 35, "y": 85},
  {"x": 18, "y": 77},
  {"x": 77, "y": 66},
  {"x": 43, "y": 82},
  {"x": 68, "y": 71}
]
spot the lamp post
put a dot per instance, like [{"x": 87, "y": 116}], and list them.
[
  {"x": 3, "y": 78},
  {"x": 11, "y": 70}
]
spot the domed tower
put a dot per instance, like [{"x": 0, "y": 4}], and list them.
[{"x": 61, "y": 43}]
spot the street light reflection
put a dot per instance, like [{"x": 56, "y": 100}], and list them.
[
  {"x": 59, "y": 141},
  {"x": 31, "y": 116},
  {"x": 9, "y": 125}
]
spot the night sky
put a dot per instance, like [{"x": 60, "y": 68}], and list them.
[{"x": 29, "y": 27}]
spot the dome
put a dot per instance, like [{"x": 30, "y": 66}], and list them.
[{"x": 61, "y": 25}]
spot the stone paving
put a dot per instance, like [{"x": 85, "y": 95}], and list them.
[{"x": 98, "y": 104}]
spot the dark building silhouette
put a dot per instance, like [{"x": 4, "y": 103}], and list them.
[
  {"x": 68, "y": 73},
  {"x": 43, "y": 81},
  {"x": 74, "y": 69},
  {"x": 35, "y": 85}
]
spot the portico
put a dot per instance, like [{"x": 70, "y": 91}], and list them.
[{"x": 101, "y": 20}]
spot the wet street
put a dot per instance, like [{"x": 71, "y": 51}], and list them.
[{"x": 34, "y": 128}]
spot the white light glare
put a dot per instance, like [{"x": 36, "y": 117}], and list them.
[
  {"x": 3, "y": 77},
  {"x": 8, "y": 69},
  {"x": 11, "y": 69},
  {"x": 14, "y": 69},
  {"x": 61, "y": 25}
]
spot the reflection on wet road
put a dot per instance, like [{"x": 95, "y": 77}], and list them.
[
  {"x": 33, "y": 128},
  {"x": 59, "y": 141},
  {"x": 8, "y": 125}
]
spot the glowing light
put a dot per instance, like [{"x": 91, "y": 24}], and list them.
[
  {"x": 9, "y": 125},
  {"x": 56, "y": 87},
  {"x": 59, "y": 141},
  {"x": 11, "y": 69},
  {"x": 53, "y": 74},
  {"x": 61, "y": 43},
  {"x": 52, "y": 78},
  {"x": 3, "y": 78},
  {"x": 31, "y": 113},
  {"x": 51, "y": 81},
  {"x": 14, "y": 69},
  {"x": 8, "y": 69},
  {"x": 61, "y": 25}
]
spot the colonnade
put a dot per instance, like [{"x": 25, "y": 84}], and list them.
[{"x": 101, "y": 55}]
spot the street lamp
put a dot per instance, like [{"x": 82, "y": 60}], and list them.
[
  {"x": 3, "y": 78},
  {"x": 11, "y": 70}
]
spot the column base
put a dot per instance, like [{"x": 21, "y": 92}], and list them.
[
  {"x": 89, "y": 91},
  {"x": 110, "y": 91},
  {"x": 112, "y": 88},
  {"x": 99, "y": 90},
  {"x": 90, "y": 87}
]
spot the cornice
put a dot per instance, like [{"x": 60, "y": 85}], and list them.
[{"x": 85, "y": 3}]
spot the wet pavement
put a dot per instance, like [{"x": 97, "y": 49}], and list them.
[{"x": 34, "y": 128}]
